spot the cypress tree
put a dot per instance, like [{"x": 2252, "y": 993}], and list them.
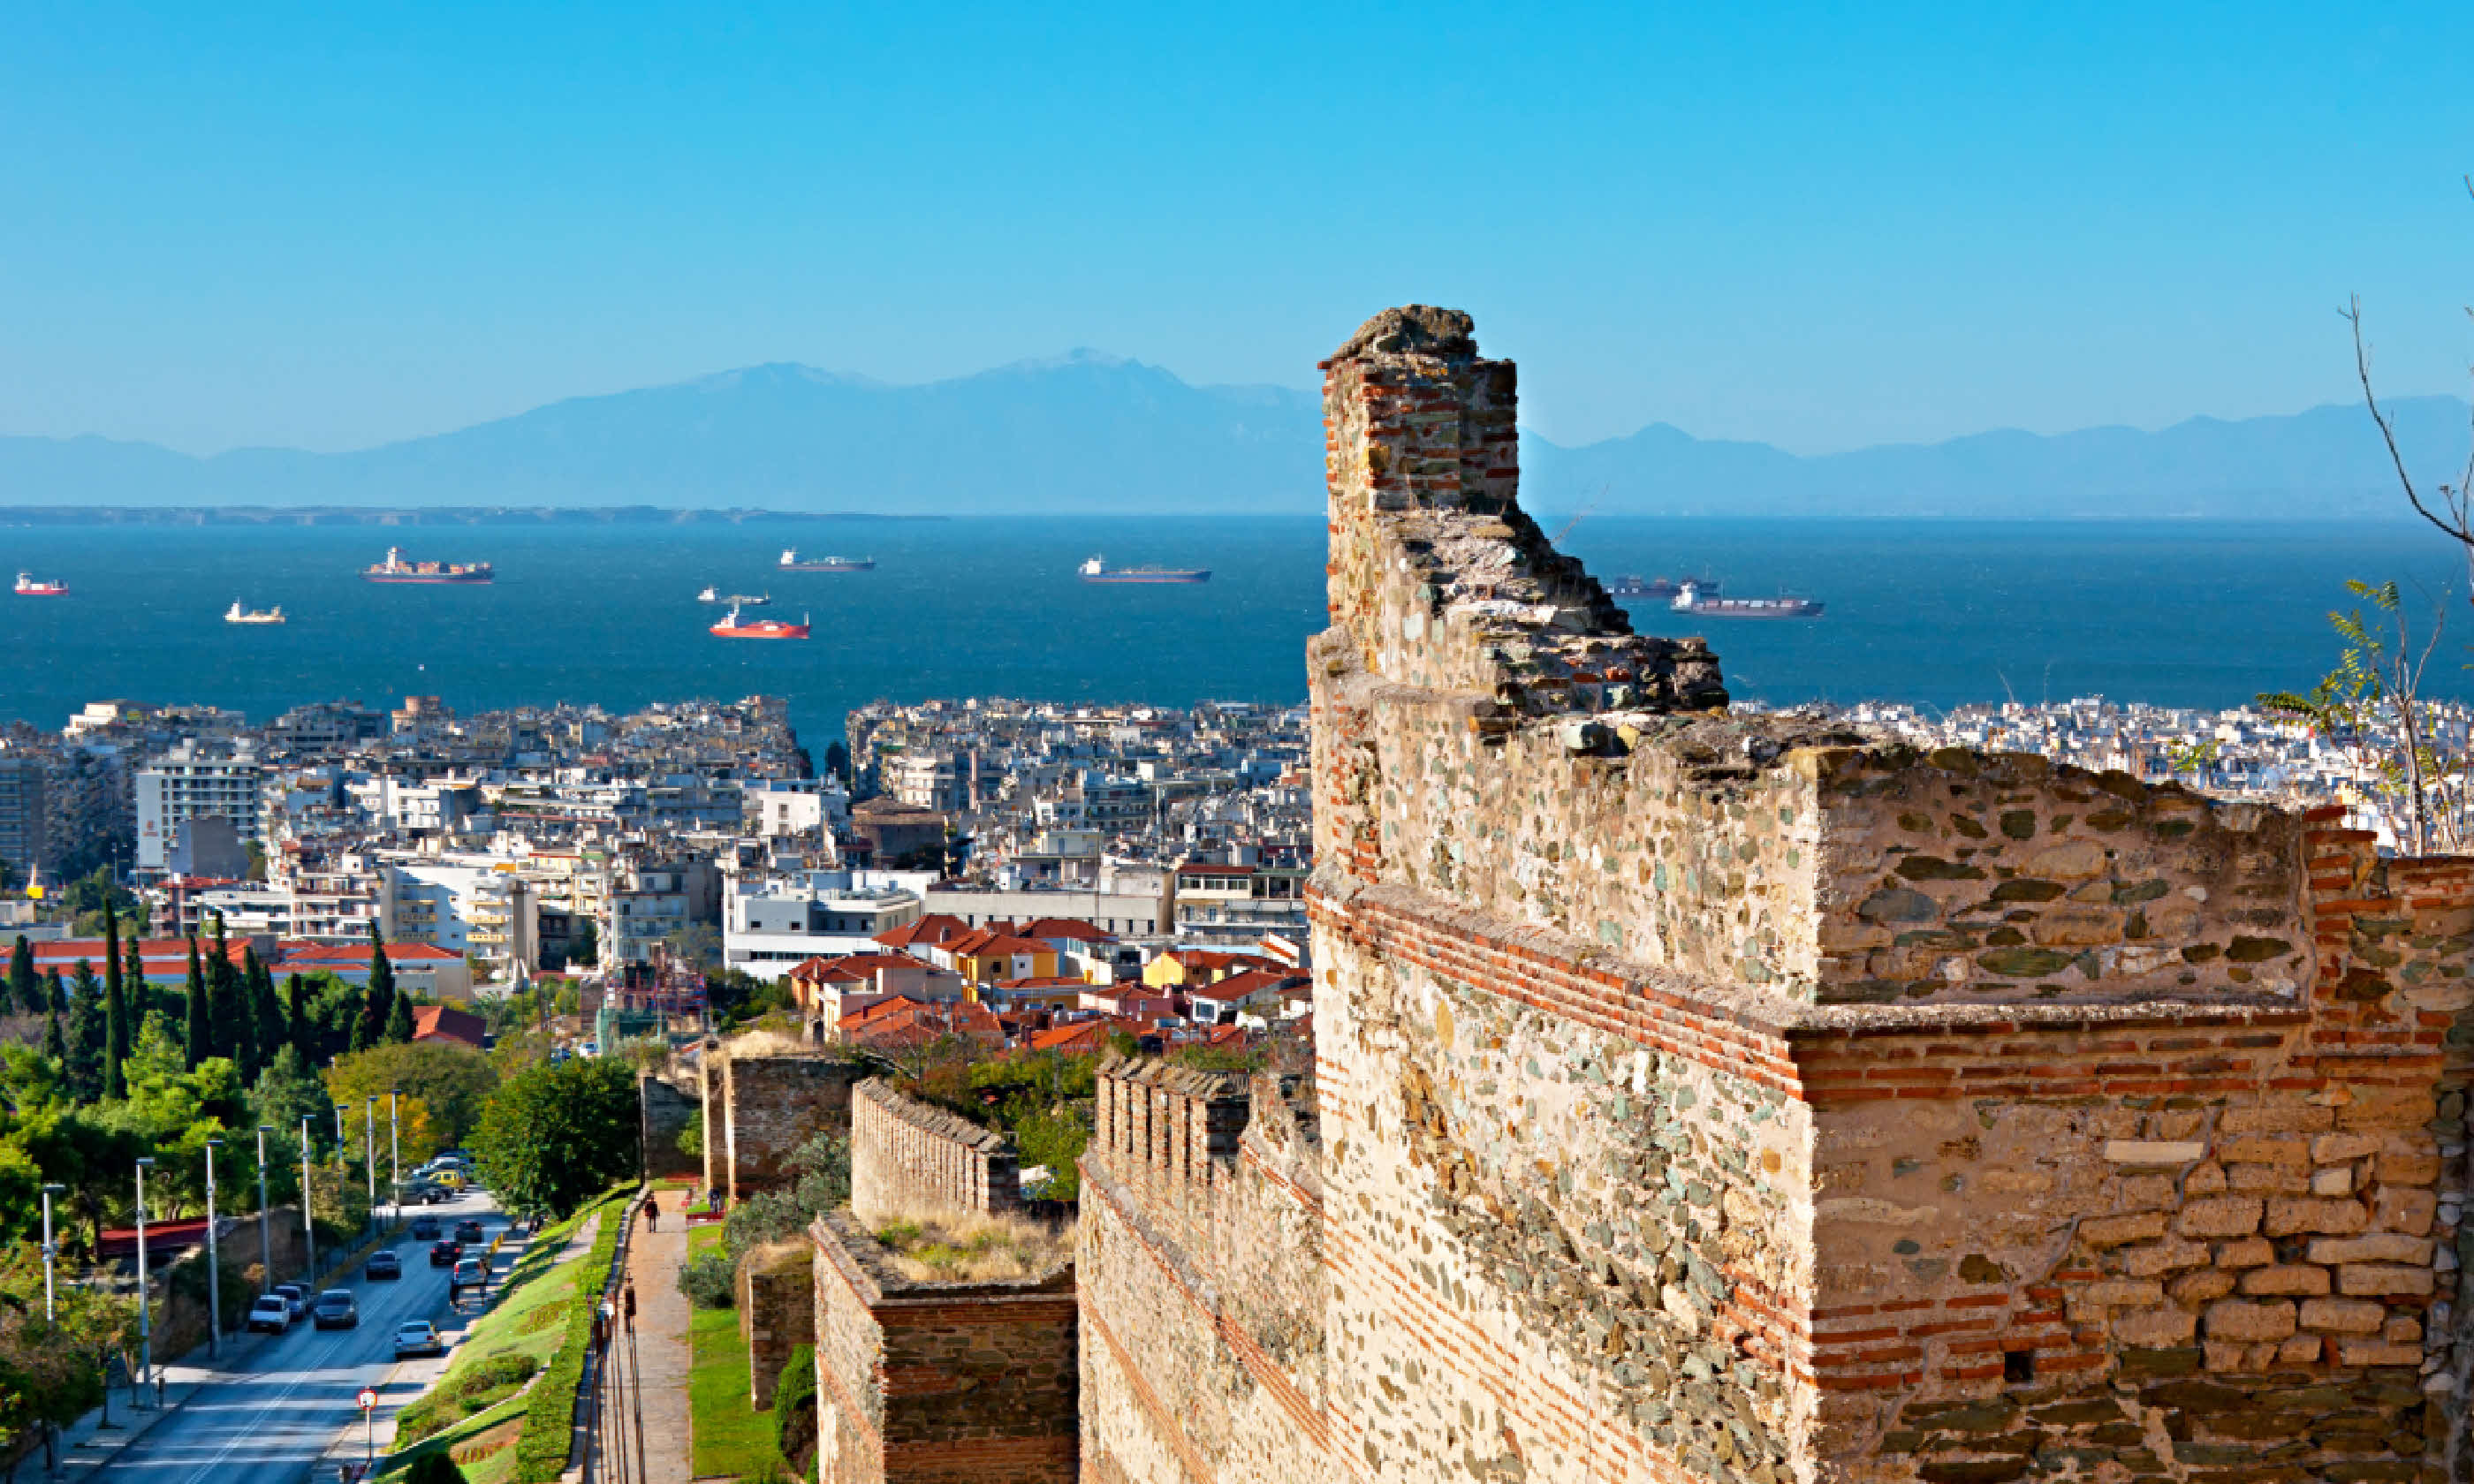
[
  {"x": 56, "y": 1004},
  {"x": 25, "y": 991},
  {"x": 87, "y": 1037},
  {"x": 200, "y": 1043},
  {"x": 133, "y": 982},
  {"x": 267, "y": 1025},
  {"x": 304, "y": 1036},
  {"x": 116, "y": 1010},
  {"x": 399, "y": 1022},
  {"x": 377, "y": 1006}
]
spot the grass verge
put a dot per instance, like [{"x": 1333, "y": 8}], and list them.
[{"x": 731, "y": 1437}]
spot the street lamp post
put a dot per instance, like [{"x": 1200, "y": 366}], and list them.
[
  {"x": 265, "y": 1235},
  {"x": 50, "y": 1254},
  {"x": 51, "y": 1249},
  {"x": 145, "y": 1327},
  {"x": 370, "y": 1156},
  {"x": 214, "y": 1263},
  {"x": 395, "y": 1155},
  {"x": 309, "y": 1222}
]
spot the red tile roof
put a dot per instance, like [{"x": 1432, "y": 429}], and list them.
[
  {"x": 446, "y": 1023},
  {"x": 933, "y": 928},
  {"x": 1064, "y": 927},
  {"x": 1251, "y": 981},
  {"x": 297, "y": 951}
]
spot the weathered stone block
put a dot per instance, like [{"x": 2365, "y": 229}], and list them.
[
  {"x": 2220, "y": 1215},
  {"x": 2383, "y": 1278},
  {"x": 2344, "y": 1316},
  {"x": 2155, "y": 1328},
  {"x": 2138, "y": 1226},
  {"x": 2247, "y": 1252},
  {"x": 2336, "y": 1218},
  {"x": 2298, "y": 1279},
  {"x": 2162, "y": 1258},
  {"x": 2238, "y": 1319},
  {"x": 2339, "y": 1148},
  {"x": 2131, "y": 1151},
  {"x": 2372, "y": 1246},
  {"x": 2409, "y": 1211}
]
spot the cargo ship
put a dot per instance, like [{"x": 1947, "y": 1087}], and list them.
[
  {"x": 790, "y": 562},
  {"x": 395, "y": 570},
  {"x": 237, "y": 615},
  {"x": 1097, "y": 570},
  {"x": 735, "y": 599},
  {"x": 731, "y": 628},
  {"x": 30, "y": 585},
  {"x": 1632, "y": 585},
  {"x": 1702, "y": 603}
]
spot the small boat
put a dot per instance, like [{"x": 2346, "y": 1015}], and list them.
[
  {"x": 237, "y": 615},
  {"x": 708, "y": 595},
  {"x": 731, "y": 628},
  {"x": 1692, "y": 600},
  {"x": 1097, "y": 570},
  {"x": 748, "y": 600},
  {"x": 790, "y": 562},
  {"x": 31, "y": 586},
  {"x": 395, "y": 570}
]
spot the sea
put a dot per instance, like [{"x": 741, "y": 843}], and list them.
[{"x": 1936, "y": 614}]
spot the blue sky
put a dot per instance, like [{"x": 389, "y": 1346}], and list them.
[{"x": 331, "y": 225}]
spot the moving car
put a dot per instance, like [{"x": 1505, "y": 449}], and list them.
[
  {"x": 425, "y": 1229},
  {"x": 418, "y": 1337},
  {"x": 468, "y": 1231},
  {"x": 271, "y": 1313},
  {"x": 443, "y": 1255},
  {"x": 294, "y": 1296},
  {"x": 383, "y": 1264},
  {"x": 470, "y": 1274},
  {"x": 336, "y": 1311}
]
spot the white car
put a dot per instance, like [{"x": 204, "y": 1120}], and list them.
[
  {"x": 418, "y": 1337},
  {"x": 271, "y": 1313}
]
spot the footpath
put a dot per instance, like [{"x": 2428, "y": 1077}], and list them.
[{"x": 659, "y": 1373}]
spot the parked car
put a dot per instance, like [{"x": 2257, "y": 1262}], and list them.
[
  {"x": 468, "y": 1231},
  {"x": 425, "y": 1229},
  {"x": 418, "y": 1337},
  {"x": 336, "y": 1311},
  {"x": 296, "y": 1296},
  {"x": 271, "y": 1313},
  {"x": 383, "y": 1264},
  {"x": 443, "y": 1255}
]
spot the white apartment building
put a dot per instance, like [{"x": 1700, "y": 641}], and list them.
[
  {"x": 188, "y": 783},
  {"x": 770, "y": 927},
  {"x": 795, "y": 806}
]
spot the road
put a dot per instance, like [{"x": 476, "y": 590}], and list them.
[{"x": 269, "y": 1415}]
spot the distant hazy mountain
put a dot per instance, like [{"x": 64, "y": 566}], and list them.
[{"x": 1089, "y": 432}]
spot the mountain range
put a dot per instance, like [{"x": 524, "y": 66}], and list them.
[{"x": 1088, "y": 432}]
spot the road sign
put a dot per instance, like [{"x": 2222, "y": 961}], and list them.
[{"x": 368, "y": 1399}]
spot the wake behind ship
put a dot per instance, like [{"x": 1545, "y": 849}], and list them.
[
  {"x": 395, "y": 570},
  {"x": 1097, "y": 570}
]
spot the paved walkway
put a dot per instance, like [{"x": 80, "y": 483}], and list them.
[{"x": 662, "y": 1353}]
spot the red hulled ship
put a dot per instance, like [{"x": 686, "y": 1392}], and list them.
[{"x": 732, "y": 627}]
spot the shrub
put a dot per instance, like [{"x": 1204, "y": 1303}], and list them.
[
  {"x": 794, "y": 1410},
  {"x": 709, "y": 1279},
  {"x": 433, "y": 1469},
  {"x": 549, "y": 1420}
]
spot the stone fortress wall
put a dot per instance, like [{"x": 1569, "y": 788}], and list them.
[
  {"x": 1701, "y": 1097},
  {"x": 905, "y": 1154},
  {"x": 760, "y": 1106}
]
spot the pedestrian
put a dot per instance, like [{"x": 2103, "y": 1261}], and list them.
[{"x": 652, "y": 1213}]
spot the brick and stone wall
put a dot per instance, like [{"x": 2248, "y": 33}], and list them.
[
  {"x": 665, "y": 1113},
  {"x": 940, "y": 1382},
  {"x": 907, "y": 1155},
  {"x": 777, "y": 1313},
  {"x": 1200, "y": 1259},
  {"x": 759, "y": 1109},
  {"x": 1746, "y": 1100}
]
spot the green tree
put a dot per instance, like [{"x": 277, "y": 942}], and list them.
[
  {"x": 554, "y": 1135},
  {"x": 56, "y": 1009},
  {"x": 25, "y": 989},
  {"x": 266, "y": 1017},
  {"x": 452, "y": 1082},
  {"x": 116, "y": 1011},
  {"x": 51, "y": 1370},
  {"x": 585, "y": 946},
  {"x": 285, "y": 1090},
  {"x": 133, "y": 978},
  {"x": 200, "y": 1040},
  {"x": 299, "y": 1029},
  {"x": 379, "y": 1006},
  {"x": 398, "y": 1030},
  {"x": 87, "y": 1037}
]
